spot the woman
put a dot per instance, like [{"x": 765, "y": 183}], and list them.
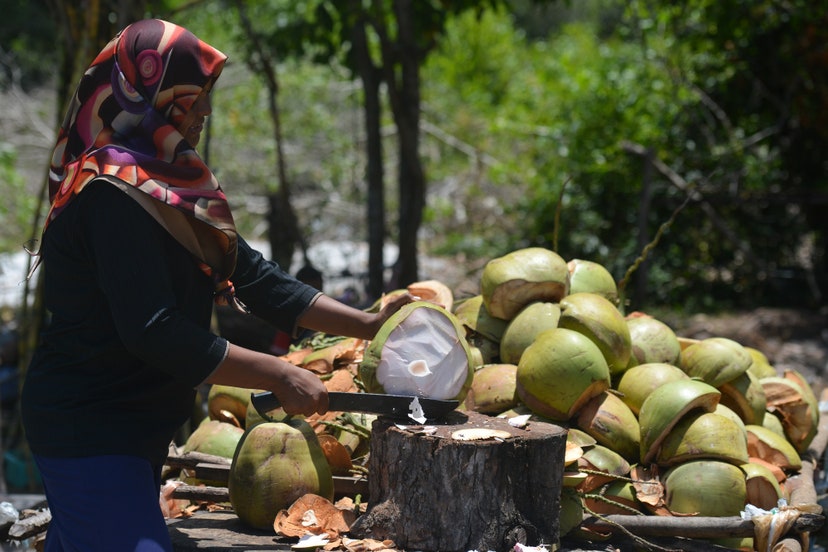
[{"x": 138, "y": 244}]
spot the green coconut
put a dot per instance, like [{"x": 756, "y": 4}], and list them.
[
  {"x": 601, "y": 464},
  {"x": 215, "y": 438},
  {"x": 493, "y": 389},
  {"x": 666, "y": 406},
  {"x": 763, "y": 490},
  {"x": 421, "y": 350},
  {"x": 636, "y": 383},
  {"x": 767, "y": 445},
  {"x": 472, "y": 313},
  {"x": 745, "y": 396},
  {"x": 723, "y": 410},
  {"x": 253, "y": 417},
  {"x": 522, "y": 329},
  {"x": 572, "y": 510},
  {"x": 772, "y": 422},
  {"x": 560, "y": 372},
  {"x": 792, "y": 400},
  {"x": 704, "y": 435},
  {"x": 705, "y": 487},
  {"x": 524, "y": 276},
  {"x": 715, "y": 360},
  {"x": 591, "y": 277},
  {"x": 612, "y": 423},
  {"x": 652, "y": 340},
  {"x": 599, "y": 320},
  {"x": 616, "y": 497},
  {"x": 228, "y": 403},
  {"x": 275, "y": 464},
  {"x": 761, "y": 367}
]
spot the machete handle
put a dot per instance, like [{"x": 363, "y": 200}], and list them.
[{"x": 264, "y": 402}]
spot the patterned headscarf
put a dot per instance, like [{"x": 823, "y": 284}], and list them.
[{"x": 121, "y": 126}]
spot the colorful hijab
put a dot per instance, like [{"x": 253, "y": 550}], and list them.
[{"x": 121, "y": 126}]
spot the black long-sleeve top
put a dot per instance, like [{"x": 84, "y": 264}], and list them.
[{"x": 129, "y": 338}]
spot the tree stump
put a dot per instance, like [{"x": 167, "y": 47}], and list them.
[{"x": 430, "y": 490}]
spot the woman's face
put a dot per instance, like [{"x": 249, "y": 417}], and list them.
[{"x": 193, "y": 122}]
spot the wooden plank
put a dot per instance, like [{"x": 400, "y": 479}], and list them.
[
  {"x": 691, "y": 527},
  {"x": 343, "y": 486}
]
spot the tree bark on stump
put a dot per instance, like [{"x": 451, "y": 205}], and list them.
[{"x": 432, "y": 491}]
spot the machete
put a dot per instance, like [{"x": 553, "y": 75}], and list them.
[{"x": 396, "y": 406}]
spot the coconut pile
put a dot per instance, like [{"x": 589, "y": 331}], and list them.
[{"x": 657, "y": 424}]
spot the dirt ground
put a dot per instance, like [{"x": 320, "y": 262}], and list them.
[{"x": 791, "y": 339}]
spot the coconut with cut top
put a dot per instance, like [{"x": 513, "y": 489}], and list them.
[{"x": 421, "y": 351}]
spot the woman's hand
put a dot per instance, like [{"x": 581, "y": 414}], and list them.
[
  {"x": 393, "y": 304},
  {"x": 300, "y": 391}
]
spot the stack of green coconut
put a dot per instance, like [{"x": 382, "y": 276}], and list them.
[{"x": 659, "y": 424}]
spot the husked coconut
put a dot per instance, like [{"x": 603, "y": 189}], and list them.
[{"x": 275, "y": 464}]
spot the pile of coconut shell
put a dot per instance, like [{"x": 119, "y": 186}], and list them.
[
  {"x": 659, "y": 425},
  {"x": 663, "y": 431}
]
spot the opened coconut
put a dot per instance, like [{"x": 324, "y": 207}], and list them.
[
  {"x": 791, "y": 399},
  {"x": 560, "y": 372},
  {"x": 745, "y": 396},
  {"x": 433, "y": 291},
  {"x": 511, "y": 282},
  {"x": 421, "y": 350},
  {"x": 275, "y": 464}
]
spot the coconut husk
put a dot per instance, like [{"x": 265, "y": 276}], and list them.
[{"x": 314, "y": 514}]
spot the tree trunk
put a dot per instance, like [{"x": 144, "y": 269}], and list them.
[
  {"x": 434, "y": 491},
  {"x": 284, "y": 233},
  {"x": 404, "y": 96},
  {"x": 371, "y": 79}
]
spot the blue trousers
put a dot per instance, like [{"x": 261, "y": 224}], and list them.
[{"x": 103, "y": 504}]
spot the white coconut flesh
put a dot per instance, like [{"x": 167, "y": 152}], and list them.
[{"x": 423, "y": 356}]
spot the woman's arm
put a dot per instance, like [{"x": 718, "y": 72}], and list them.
[
  {"x": 299, "y": 390},
  {"x": 333, "y": 317}
]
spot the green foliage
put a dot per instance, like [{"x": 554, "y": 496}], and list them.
[
  {"x": 26, "y": 39},
  {"x": 561, "y": 111},
  {"x": 17, "y": 211},
  {"x": 537, "y": 109}
]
